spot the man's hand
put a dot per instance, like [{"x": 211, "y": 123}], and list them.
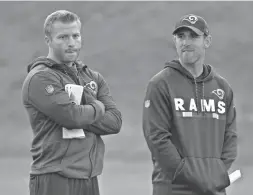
[
  {"x": 87, "y": 97},
  {"x": 100, "y": 105}
]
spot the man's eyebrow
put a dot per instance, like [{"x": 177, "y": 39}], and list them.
[
  {"x": 193, "y": 33},
  {"x": 180, "y": 33},
  {"x": 61, "y": 34}
]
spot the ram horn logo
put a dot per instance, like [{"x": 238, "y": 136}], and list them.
[
  {"x": 191, "y": 18},
  {"x": 219, "y": 92},
  {"x": 92, "y": 85}
]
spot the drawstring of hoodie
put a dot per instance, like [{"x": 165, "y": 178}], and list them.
[
  {"x": 199, "y": 104},
  {"x": 203, "y": 95},
  {"x": 196, "y": 94}
]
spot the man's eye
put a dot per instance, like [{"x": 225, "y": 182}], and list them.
[
  {"x": 76, "y": 36},
  {"x": 194, "y": 36}
]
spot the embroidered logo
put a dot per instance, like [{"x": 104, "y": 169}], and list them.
[
  {"x": 49, "y": 89},
  {"x": 147, "y": 103},
  {"x": 219, "y": 92},
  {"x": 191, "y": 18},
  {"x": 92, "y": 85}
]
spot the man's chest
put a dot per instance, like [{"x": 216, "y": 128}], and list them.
[
  {"x": 199, "y": 97},
  {"x": 79, "y": 78}
]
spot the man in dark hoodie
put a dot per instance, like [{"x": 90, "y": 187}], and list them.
[
  {"x": 189, "y": 119},
  {"x": 62, "y": 165}
]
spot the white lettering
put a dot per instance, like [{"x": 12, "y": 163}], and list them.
[
  {"x": 215, "y": 115},
  {"x": 210, "y": 106},
  {"x": 193, "y": 105},
  {"x": 206, "y": 105},
  {"x": 179, "y": 104},
  {"x": 187, "y": 114},
  {"x": 221, "y": 106}
]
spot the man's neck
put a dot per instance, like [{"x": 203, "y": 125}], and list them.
[
  {"x": 69, "y": 64},
  {"x": 195, "y": 69}
]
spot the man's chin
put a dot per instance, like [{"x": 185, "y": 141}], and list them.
[
  {"x": 71, "y": 58},
  {"x": 188, "y": 61}
]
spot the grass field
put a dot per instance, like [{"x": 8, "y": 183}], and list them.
[{"x": 128, "y": 42}]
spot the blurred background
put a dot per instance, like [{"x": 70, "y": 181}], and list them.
[{"x": 128, "y": 42}]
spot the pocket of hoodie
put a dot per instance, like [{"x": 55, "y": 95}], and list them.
[
  {"x": 53, "y": 152},
  {"x": 217, "y": 174},
  {"x": 97, "y": 155},
  {"x": 179, "y": 170},
  {"x": 222, "y": 180},
  {"x": 203, "y": 174}
]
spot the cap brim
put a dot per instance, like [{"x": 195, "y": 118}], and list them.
[{"x": 190, "y": 27}]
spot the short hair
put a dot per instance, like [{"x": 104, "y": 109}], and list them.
[{"x": 62, "y": 16}]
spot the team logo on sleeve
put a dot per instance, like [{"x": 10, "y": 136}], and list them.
[
  {"x": 92, "y": 85},
  {"x": 147, "y": 103},
  {"x": 49, "y": 89},
  {"x": 219, "y": 93}
]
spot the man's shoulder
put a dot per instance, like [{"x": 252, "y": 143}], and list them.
[
  {"x": 94, "y": 74},
  {"x": 222, "y": 80},
  {"x": 163, "y": 75},
  {"x": 42, "y": 71},
  {"x": 223, "y": 83}
]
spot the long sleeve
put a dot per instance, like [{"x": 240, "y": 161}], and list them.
[
  {"x": 49, "y": 97},
  {"x": 157, "y": 125},
  {"x": 111, "y": 122},
  {"x": 229, "y": 151}
]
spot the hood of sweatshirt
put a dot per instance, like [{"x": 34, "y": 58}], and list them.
[
  {"x": 52, "y": 64},
  {"x": 199, "y": 82},
  {"x": 70, "y": 71},
  {"x": 206, "y": 75},
  {"x": 41, "y": 60}
]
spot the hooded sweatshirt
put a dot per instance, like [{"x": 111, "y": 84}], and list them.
[
  {"x": 190, "y": 128},
  {"x": 50, "y": 108}
]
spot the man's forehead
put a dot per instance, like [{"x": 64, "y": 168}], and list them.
[{"x": 59, "y": 27}]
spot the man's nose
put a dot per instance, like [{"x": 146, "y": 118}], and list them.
[
  {"x": 71, "y": 42},
  {"x": 186, "y": 41}
]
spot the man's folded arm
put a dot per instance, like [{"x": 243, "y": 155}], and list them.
[{"x": 46, "y": 93}]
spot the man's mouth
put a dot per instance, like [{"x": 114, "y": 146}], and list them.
[
  {"x": 71, "y": 51},
  {"x": 187, "y": 50}
]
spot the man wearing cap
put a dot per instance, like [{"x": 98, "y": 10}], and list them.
[{"x": 189, "y": 118}]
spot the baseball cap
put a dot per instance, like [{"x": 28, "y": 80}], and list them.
[{"x": 193, "y": 22}]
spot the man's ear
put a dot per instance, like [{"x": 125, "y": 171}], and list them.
[
  {"x": 47, "y": 40},
  {"x": 208, "y": 41},
  {"x": 174, "y": 39}
]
